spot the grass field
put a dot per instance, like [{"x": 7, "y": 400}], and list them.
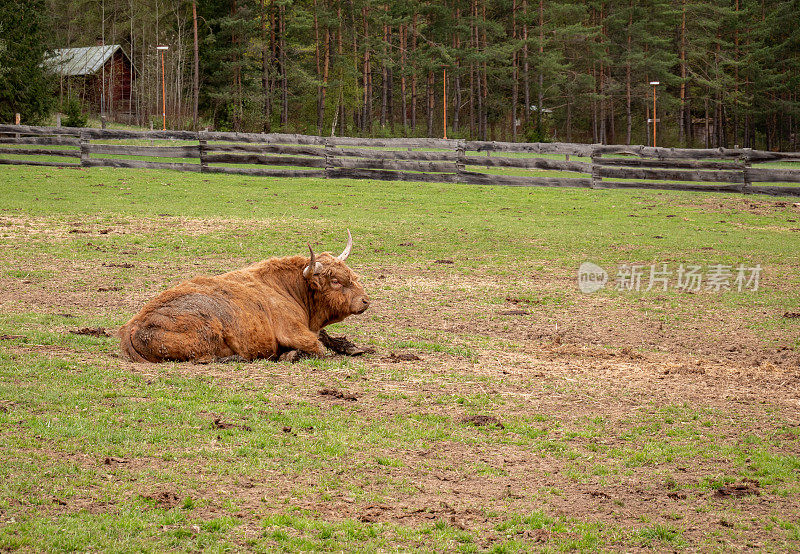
[{"x": 536, "y": 417}]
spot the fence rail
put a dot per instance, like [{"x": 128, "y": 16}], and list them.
[{"x": 425, "y": 159}]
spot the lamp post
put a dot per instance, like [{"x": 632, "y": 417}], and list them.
[
  {"x": 163, "y": 88},
  {"x": 655, "y": 84}
]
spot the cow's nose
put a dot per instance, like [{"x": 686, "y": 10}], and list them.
[{"x": 365, "y": 301}]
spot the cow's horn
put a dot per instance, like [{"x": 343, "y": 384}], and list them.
[
  {"x": 312, "y": 262},
  {"x": 346, "y": 252}
]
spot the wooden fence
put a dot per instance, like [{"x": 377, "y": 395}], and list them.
[{"x": 431, "y": 160}]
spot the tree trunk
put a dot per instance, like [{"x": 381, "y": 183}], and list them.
[
  {"x": 413, "y": 73},
  {"x": 318, "y": 64},
  {"x": 384, "y": 75},
  {"x": 526, "y": 84},
  {"x": 354, "y": 25},
  {"x": 514, "y": 72},
  {"x": 326, "y": 65},
  {"x": 457, "y": 77},
  {"x": 403, "y": 101},
  {"x": 484, "y": 113},
  {"x": 719, "y": 125},
  {"x": 603, "y": 112},
  {"x": 748, "y": 142},
  {"x": 133, "y": 57},
  {"x": 602, "y": 102},
  {"x": 237, "y": 76},
  {"x": 689, "y": 125},
  {"x": 389, "y": 81},
  {"x": 430, "y": 103},
  {"x": 593, "y": 75},
  {"x": 540, "y": 76},
  {"x": 736, "y": 76},
  {"x": 684, "y": 117},
  {"x": 284, "y": 72},
  {"x": 472, "y": 102},
  {"x": 628, "y": 108},
  {"x": 196, "y": 80},
  {"x": 265, "y": 67},
  {"x": 366, "y": 121},
  {"x": 339, "y": 113},
  {"x": 612, "y": 134}
]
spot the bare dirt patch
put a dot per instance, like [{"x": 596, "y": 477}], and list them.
[
  {"x": 745, "y": 488},
  {"x": 164, "y": 499},
  {"x": 218, "y": 423},
  {"x": 483, "y": 421},
  {"x": 401, "y": 357},
  {"x": 92, "y": 331},
  {"x": 336, "y": 393},
  {"x": 557, "y": 314},
  {"x": 731, "y": 205}
]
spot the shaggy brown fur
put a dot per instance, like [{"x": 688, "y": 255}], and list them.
[{"x": 260, "y": 311}]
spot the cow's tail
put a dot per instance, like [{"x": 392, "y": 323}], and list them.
[{"x": 126, "y": 345}]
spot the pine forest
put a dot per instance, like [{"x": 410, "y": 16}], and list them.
[{"x": 728, "y": 73}]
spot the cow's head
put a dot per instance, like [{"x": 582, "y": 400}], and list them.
[{"x": 337, "y": 287}]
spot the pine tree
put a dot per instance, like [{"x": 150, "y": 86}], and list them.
[
  {"x": 566, "y": 69},
  {"x": 232, "y": 71},
  {"x": 27, "y": 86},
  {"x": 641, "y": 32}
]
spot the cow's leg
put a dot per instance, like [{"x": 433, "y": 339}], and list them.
[
  {"x": 340, "y": 345},
  {"x": 302, "y": 339},
  {"x": 293, "y": 356}
]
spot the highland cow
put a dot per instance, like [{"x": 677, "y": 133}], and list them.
[{"x": 274, "y": 309}]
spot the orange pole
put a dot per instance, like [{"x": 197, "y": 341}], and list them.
[
  {"x": 163, "y": 93},
  {"x": 654, "y": 116},
  {"x": 444, "y": 102}
]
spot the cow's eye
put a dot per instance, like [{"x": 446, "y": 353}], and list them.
[{"x": 334, "y": 281}]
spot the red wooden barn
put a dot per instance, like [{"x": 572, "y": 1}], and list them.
[{"x": 102, "y": 76}]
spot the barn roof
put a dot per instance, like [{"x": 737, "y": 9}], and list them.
[{"x": 82, "y": 61}]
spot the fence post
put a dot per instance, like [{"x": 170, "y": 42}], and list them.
[
  {"x": 328, "y": 149},
  {"x": 84, "y": 149},
  {"x": 748, "y": 163},
  {"x": 461, "y": 146},
  {"x": 202, "y": 145},
  {"x": 597, "y": 180}
]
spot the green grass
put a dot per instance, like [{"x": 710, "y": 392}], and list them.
[
  {"x": 476, "y": 225},
  {"x": 89, "y": 445}
]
